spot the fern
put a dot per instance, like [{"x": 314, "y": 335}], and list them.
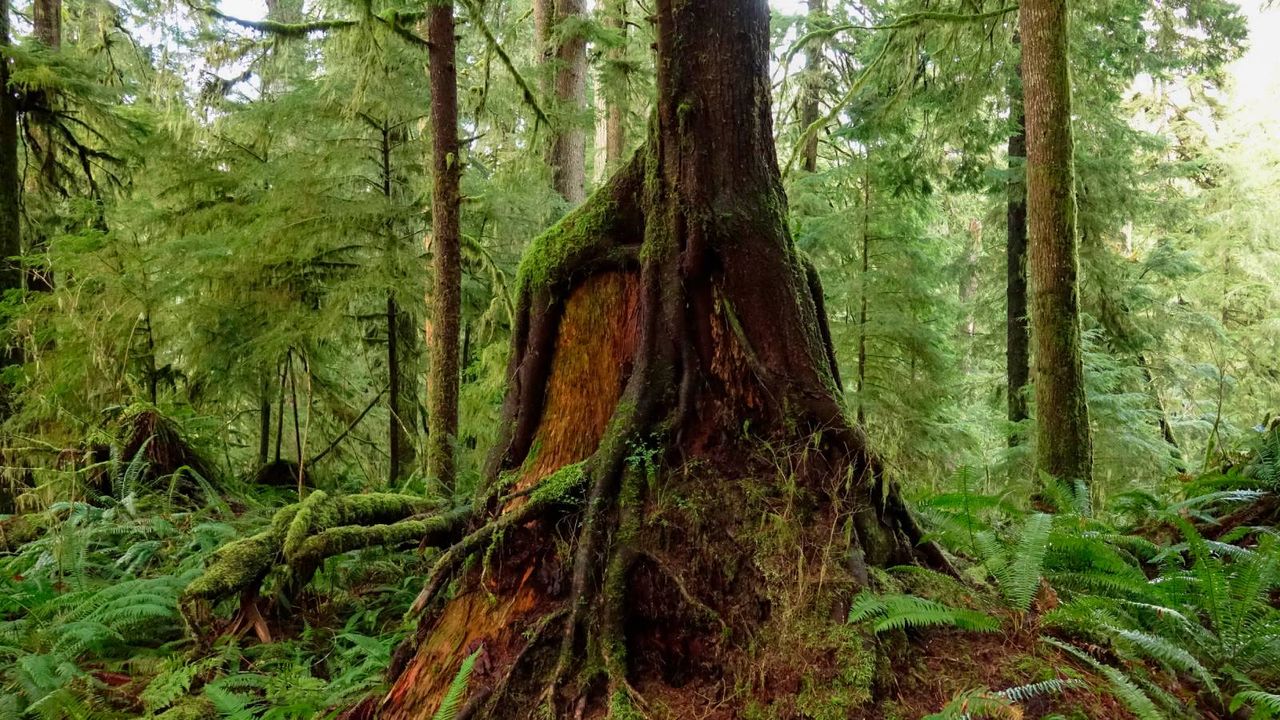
[
  {"x": 1266, "y": 706},
  {"x": 1121, "y": 686},
  {"x": 901, "y": 612},
  {"x": 1019, "y": 571},
  {"x": 457, "y": 692}
]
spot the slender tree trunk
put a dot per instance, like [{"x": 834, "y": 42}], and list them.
[
  {"x": 864, "y": 277},
  {"x": 264, "y": 418},
  {"x": 566, "y": 52},
  {"x": 401, "y": 401},
  {"x": 284, "y": 379},
  {"x": 1063, "y": 445},
  {"x": 809, "y": 110},
  {"x": 10, "y": 209},
  {"x": 395, "y": 433},
  {"x": 665, "y": 331},
  {"x": 1017, "y": 331},
  {"x": 614, "y": 88},
  {"x": 446, "y": 258}
]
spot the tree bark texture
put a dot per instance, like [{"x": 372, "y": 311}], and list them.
[
  {"x": 47, "y": 22},
  {"x": 446, "y": 253},
  {"x": 1063, "y": 445},
  {"x": 669, "y": 343},
  {"x": 614, "y": 89}
]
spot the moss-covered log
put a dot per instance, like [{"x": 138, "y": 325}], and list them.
[{"x": 301, "y": 536}]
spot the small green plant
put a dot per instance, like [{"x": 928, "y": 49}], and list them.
[{"x": 890, "y": 612}]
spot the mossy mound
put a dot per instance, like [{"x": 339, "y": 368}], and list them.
[{"x": 148, "y": 436}]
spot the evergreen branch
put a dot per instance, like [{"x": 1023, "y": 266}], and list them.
[
  {"x": 477, "y": 16},
  {"x": 905, "y": 22},
  {"x": 279, "y": 29},
  {"x": 854, "y": 88}
]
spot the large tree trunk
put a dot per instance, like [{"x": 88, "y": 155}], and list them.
[
  {"x": 446, "y": 251},
  {"x": 47, "y": 22},
  {"x": 1017, "y": 331},
  {"x": 1063, "y": 446},
  {"x": 671, "y": 387}
]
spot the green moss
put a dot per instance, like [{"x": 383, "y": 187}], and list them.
[
  {"x": 621, "y": 707},
  {"x": 838, "y": 697},
  {"x": 198, "y": 708},
  {"x": 563, "y": 245},
  {"x": 346, "y": 538},
  {"x": 562, "y": 485},
  {"x": 237, "y": 565},
  {"x": 303, "y": 521}
]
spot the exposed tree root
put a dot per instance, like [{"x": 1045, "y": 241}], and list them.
[
  {"x": 298, "y": 540},
  {"x": 596, "y": 377}
]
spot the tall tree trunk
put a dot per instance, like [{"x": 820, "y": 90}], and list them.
[
  {"x": 864, "y": 276},
  {"x": 1063, "y": 445},
  {"x": 47, "y": 22},
  {"x": 401, "y": 401},
  {"x": 809, "y": 110},
  {"x": 1017, "y": 331},
  {"x": 666, "y": 331},
  {"x": 565, "y": 49},
  {"x": 446, "y": 254},
  {"x": 264, "y": 421},
  {"x": 613, "y": 89},
  {"x": 395, "y": 430},
  {"x": 10, "y": 210}
]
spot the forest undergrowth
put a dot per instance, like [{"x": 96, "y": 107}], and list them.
[{"x": 1144, "y": 607}]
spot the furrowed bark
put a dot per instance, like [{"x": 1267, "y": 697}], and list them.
[
  {"x": 565, "y": 51},
  {"x": 809, "y": 111}
]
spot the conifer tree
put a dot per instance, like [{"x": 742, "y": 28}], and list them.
[
  {"x": 446, "y": 260},
  {"x": 1063, "y": 443}
]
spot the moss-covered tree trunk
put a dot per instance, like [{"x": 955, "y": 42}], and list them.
[
  {"x": 1017, "y": 331},
  {"x": 1063, "y": 446},
  {"x": 677, "y": 506},
  {"x": 10, "y": 210},
  {"x": 446, "y": 250}
]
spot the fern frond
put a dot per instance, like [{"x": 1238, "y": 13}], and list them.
[
  {"x": 1019, "y": 578},
  {"x": 1265, "y": 705},
  {"x": 1121, "y": 686},
  {"x": 452, "y": 702}
]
